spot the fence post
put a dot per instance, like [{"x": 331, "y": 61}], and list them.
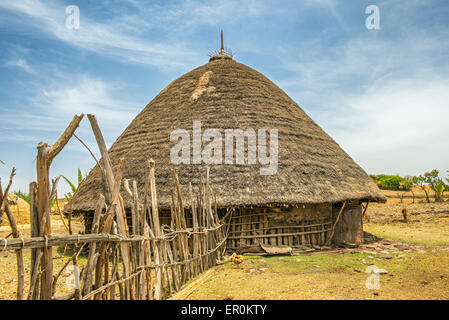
[
  {"x": 35, "y": 253},
  {"x": 157, "y": 231},
  {"x": 120, "y": 214},
  {"x": 45, "y": 156}
]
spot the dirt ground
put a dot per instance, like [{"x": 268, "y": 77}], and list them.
[
  {"x": 332, "y": 276},
  {"x": 428, "y": 223},
  {"x": 8, "y": 264},
  {"x": 415, "y": 257}
]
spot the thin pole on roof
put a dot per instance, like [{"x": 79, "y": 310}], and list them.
[{"x": 222, "y": 46}]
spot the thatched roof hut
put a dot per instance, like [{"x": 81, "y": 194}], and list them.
[
  {"x": 314, "y": 175},
  {"x": 225, "y": 94},
  {"x": 313, "y": 168}
]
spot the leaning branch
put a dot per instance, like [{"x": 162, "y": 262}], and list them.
[
  {"x": 88, "y": 149},
  {"x": 64, "y": 138},
  {"x": 4, "y": 196}
]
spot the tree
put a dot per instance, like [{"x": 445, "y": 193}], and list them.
[
  {"x": 447, "y": 185},
  {"x": 421, "y": 182},
  {"x": 436, "y": 184},
  {"x": 411, "y": 183},
  {"x": 391, "y": 182}
]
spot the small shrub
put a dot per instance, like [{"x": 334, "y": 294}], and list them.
[{"x": 23, "y": 195}]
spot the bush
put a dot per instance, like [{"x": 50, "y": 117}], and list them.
[
  {"x": 23, "y": 195},
  {"x": 390, "y": 182}
]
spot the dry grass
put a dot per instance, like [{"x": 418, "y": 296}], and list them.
[
  {"x": 428, "y": 223},
  {"x": 412, "y": 275},
  {"x": 21, "y": 210},
  {"x": 331, "y": 276},
  {"x": 8, "y": 272},
  {"x": 8, "y": 264}
]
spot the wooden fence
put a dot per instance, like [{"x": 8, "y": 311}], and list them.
[{"x": 146, "y": 260}]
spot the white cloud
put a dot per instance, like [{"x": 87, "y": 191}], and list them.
[
  {"x": 20, "y": 63},
  {"x": 50, "y": 110},
  {"x": 398, "y": 124},
  {"x": 383, "y": 97},
  {"x": 48, "y": 113},
  {"x": 131, "y": 37},
  {"x": 106, "y": 39},
  {"x": 89, "y": 96}
]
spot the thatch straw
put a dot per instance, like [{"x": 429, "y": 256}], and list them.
[{"x": 312, "y": 166}]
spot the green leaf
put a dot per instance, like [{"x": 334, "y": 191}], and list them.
[
  {"x": 80, "y": 176},
  {"x": 70, "y": 183}
]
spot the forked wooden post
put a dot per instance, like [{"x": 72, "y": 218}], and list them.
[{"x": 45, "y": 156}]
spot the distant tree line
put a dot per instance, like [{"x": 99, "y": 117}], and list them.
[
  {"x": 391, "y": 182},
  {"x": 429, "y": 179}
]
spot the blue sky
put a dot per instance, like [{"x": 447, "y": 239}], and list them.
[{"x": 383, "y": 95}]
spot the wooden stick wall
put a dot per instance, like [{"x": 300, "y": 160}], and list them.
[{"x": 249, "y": 227}]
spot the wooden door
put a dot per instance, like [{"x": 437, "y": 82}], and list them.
[{"x": 349, "y": 227}]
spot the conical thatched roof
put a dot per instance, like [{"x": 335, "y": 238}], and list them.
[{"x": 224, "y": 94}]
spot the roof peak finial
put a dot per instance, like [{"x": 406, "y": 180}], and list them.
[
  {"x": 222, "y": 46},
  {"x": 223, "y": 53}
]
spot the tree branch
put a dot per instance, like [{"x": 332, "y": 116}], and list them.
[
  {"x": 4, "y": 196},
  {"x": 64, "y": 138}
]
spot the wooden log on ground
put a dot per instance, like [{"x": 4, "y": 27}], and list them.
[
  {"x": 184, "y": 293},
  {"x": 276, "y": 250},
  {"x": 249, "y": 249}
]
